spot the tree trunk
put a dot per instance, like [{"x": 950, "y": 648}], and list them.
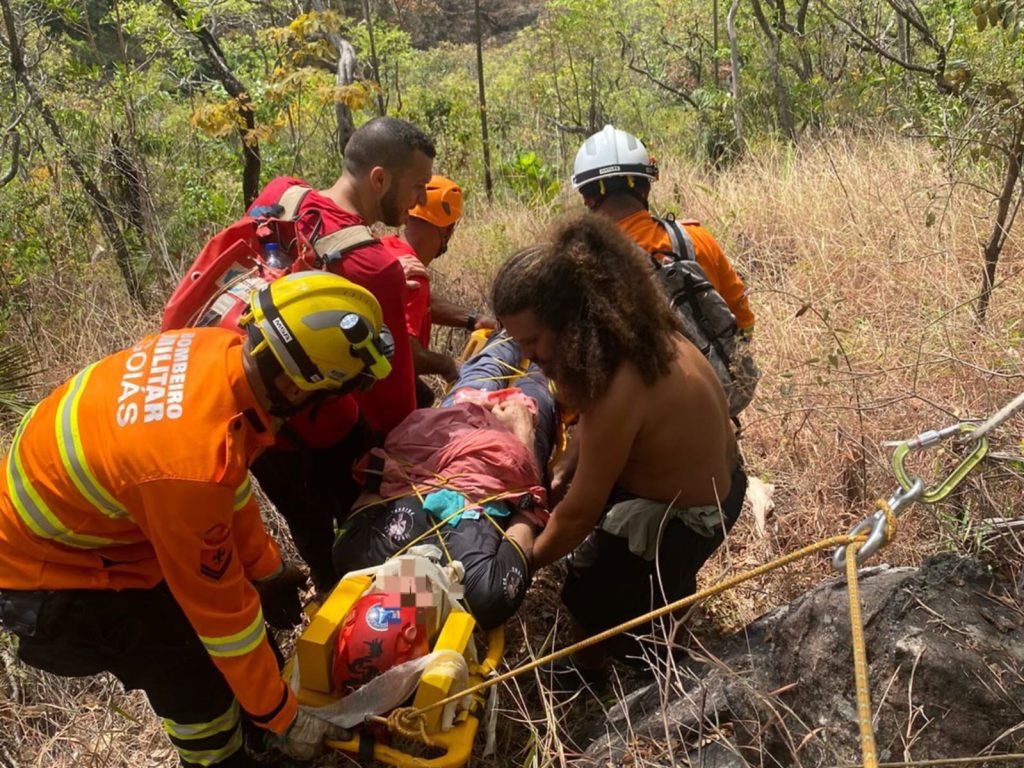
[
  {"x": 782, "y": 106},
  {"x": 346, "y": 75},
  {"x": 108, "y": 223},
  {"x": 14, "y": 137},
  {"x": 734, "y": 57},
  {"x": 374, "y": 64},
  {"x": 714, "y": 41},
  {"x": 1001, "y": 227},
  {"x": 237, "y": 91},
  {"x": 488, "y": 182}
]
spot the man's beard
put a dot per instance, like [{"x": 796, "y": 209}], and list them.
[{"x": 390, "y": 212}]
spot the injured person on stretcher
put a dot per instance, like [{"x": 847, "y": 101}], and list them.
[{"x": 466, "y": 477}]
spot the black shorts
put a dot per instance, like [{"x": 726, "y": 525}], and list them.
[
  {"x": 496, "y": 573},
  {"x": 607, "y": 584}
]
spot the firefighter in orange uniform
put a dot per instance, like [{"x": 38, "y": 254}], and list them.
[
  {"x": 130, "y": 541},
  {"x": 613, "y": 173}
]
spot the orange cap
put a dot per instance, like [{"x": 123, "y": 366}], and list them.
[{"x": 444, "y": 202}]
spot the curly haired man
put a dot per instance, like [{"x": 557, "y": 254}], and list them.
[{"x": 659, "y": 479}]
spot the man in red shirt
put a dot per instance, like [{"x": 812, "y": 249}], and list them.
[
  {"x": 388, "y": 163},
  {"x": 426, "y": 237}
]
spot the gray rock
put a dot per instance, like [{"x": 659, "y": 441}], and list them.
[{"x": 945, "y": 648}]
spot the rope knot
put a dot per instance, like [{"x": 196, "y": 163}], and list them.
[{"x": 410, "y": 723}]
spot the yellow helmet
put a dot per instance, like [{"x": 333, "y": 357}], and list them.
[
  {"x": 323, "y": 330},
  {"x": 444, "y": 202}
]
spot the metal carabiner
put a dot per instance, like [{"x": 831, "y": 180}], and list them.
[
  {"x": 927, "y": 440},
  {"x": 877, "y": 524}
]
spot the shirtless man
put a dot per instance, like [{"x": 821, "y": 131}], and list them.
[{"x": 657, "y": 452}]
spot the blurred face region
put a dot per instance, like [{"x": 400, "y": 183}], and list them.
[{"x": 536, "y": 341}]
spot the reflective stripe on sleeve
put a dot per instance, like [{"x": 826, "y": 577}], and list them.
[
  {"x": 239, "y": 643},
  {"x": 69, "y": 440},
  {"x": 31, "y": 508},
  {"x": 211, "y": 756},
  {"x": 194, "y": 731},
  {"x": 243, "y": 495}
]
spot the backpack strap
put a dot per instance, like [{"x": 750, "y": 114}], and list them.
[
  {"x": 330, "y": 248},
  {"x": 291, "y": 199},
  {"x": 333, "y": 247},
  {"x": 682, "y": 243}
]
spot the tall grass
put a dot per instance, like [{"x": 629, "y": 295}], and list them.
[{"x": 862, "y": 257}]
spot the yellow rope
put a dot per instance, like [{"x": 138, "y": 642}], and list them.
[
  {"x": 405, "y": 722},
  {"x": 729, "y": 583},
  {"x": 860, "y": 662},
  {"x": 1017, "y": 758},
  {"x": 465, "y": 508}
]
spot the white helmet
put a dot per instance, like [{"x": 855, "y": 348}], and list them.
[{"x": 612, "y": 152}]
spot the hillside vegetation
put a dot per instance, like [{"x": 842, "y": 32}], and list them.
[
  {"x": 865, "y": 334},
  {"x": 859, "y": 162}
]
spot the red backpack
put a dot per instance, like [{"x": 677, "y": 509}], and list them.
[{"x": 260, "y": 247}]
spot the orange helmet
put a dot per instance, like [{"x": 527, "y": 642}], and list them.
[
  {"x": 444, "y": 202},
  {"x": 377, "y": 634}
]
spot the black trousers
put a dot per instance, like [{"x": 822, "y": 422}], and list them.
[
  {"x": 607, "y": 584},
  {"x": 313, "y": 489},
  {"x": 143, "y": 638}
]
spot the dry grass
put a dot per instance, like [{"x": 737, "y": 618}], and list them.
[{"x": 865, "y": 334}]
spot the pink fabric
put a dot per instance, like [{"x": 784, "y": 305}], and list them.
[
  {"x": 465, "y": 448},
  {"x": 485, "y": 398}
]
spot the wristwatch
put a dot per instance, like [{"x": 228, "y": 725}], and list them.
[{"x": 471, "y": 320}]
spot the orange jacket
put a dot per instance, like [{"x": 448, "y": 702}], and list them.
[
  {"x": 136, "y": 472},
  {"x": 652, "y": 237}
]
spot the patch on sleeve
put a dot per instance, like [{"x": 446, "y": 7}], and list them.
[{"x": 216, "y": 552}]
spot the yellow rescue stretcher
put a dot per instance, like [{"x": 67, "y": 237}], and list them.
[
  {"x": 316, "y": 646},
  {"x": 449, "y": 749}
]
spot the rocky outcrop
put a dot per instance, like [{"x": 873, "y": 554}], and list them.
[{"x": 946, "y": 652}]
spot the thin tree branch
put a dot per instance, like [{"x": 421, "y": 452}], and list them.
[
  {"x": 680, "y": 94},
  {"x": 108, "y": 223},
  {"x": 875, "y": 47},
  {"x": 15, "y": 138},
  {"x": 250, "y": 145}
]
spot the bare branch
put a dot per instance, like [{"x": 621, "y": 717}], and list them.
[
  {"x": 250, "y": 147},
  {"x": 101, "y": 205},
  {"x": 875, "y": 47},
  {"x": 15, "y": 138},
  {"x": 684, "y": 96}
]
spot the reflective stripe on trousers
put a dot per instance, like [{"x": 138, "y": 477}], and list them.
[{"x": 210, "y": 743}]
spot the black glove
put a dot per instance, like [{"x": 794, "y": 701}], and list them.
[{"x": 281, "y": 598}]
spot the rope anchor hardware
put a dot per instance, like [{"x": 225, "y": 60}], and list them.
[
  {"x": 931, "y": 438},
  {"x": 879, "y": 525}
]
